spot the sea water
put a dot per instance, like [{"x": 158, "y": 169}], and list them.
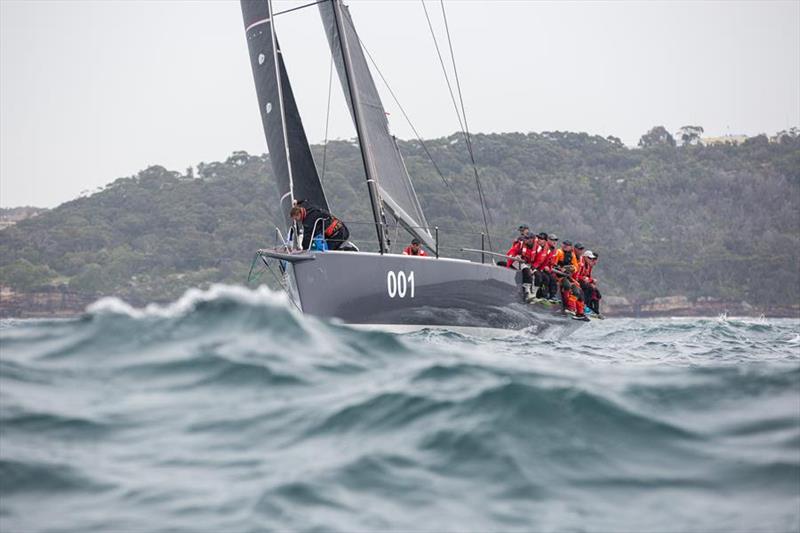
[{"x": 230, "y": 411}]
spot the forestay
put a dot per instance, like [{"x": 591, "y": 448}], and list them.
[
  {"x": 381, "y": 154},
  {"x": 289, "y": 153}
]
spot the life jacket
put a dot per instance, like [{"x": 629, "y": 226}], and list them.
[
  {"x": 333, "y": 227},
  {"x": 515, "y": 250},
  {"x": 539, "y": 255},
  {"x": 316, "y": 220},
  {"x": 551, "y": 259},
  {"x": 410, "y": 251},
  {"x": 566, "y": 258},
  {"x": 585, "y": 273},
  {"x": 528, "y": 254}
]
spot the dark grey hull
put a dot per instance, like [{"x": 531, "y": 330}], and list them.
[{"x": 400, "y": 290}]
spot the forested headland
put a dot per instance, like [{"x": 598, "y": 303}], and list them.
[{"x": 704, "y": 222}]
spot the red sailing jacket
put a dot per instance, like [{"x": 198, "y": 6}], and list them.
[
  {"x": 539, "y": 255},
  {"x": 548, "y": 259},
  {"x": 584, "y": 273},
  {"x": 409, "y": 251},
  {"x": 514, "y": 251},
  {"x": 529, "y": 254}
]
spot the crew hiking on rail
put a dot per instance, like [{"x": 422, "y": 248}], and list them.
[{"x": 551, "y": 273}]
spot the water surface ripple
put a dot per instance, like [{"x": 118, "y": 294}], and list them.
[{"x": 228, "y": 411}]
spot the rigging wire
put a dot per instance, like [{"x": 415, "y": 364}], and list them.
[
  {"x": 416, "y": 134},
  {"x": 444, "y": 69},
  {"x": 465, "y": 125}
]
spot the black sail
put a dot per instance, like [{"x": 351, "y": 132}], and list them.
[
  {"x": 382, "y": 157},
  {"x": 289, "y": 153}
]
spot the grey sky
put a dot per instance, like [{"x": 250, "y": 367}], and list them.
[{"x": 91, "y": 91}]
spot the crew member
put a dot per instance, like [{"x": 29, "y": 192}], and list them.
[
  {"x": 543, "y": 262},
  {"x": 566, "y": 256},
  {"x": 331, "y": 228},
  {"x": 414, "y": 248},
  {"x": 515, "y": 251},
  {"x": 588, "y": 284}
]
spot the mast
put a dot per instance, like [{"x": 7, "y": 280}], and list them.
[{"x": 374, "y": 196}]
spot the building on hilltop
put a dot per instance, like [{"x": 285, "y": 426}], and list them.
[{"x": 724, "y": 139}]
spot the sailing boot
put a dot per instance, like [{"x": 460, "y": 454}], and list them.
[
  {"x": 528, "y": 292},
  {"x": 579, "y": 312},
  {"x": 534, "y": 297}
]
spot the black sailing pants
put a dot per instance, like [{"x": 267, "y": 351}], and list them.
[
  {"x": 547, "y": 284},
  {"x": 591, "y": 296},
  {"x": 527, "y": 276}
]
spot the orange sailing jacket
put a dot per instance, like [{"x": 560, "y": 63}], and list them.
[{"x": 560, "y": 258}]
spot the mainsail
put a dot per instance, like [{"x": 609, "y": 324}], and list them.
[
  {"x": 382, "y": 158},
  {"x": 289, "y": 153}
]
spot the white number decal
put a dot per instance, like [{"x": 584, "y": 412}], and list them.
[
  {"x": 399, "y": 284},
  {"x": 402, "y": 284}
]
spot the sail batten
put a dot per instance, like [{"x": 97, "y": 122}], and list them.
[
  {"x": 287, "y": 144},
  {"x": 382, "y": 159}
]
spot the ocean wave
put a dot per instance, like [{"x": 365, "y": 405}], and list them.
[
  {"x": 43, "y": 477},
  {"x": 193, "y": 300},
  {"x": 230, "y": 410}
]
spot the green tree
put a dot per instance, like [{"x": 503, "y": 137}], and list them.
[
  {"x": 24, "y": 275},
  {"x": 657, "y": 136},
  {"x": 690, "y": 135}
]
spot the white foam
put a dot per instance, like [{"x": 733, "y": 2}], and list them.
[{"x": 262, "y": 295}]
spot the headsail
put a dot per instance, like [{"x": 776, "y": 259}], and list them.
[
  {"x": 289, "y": 152},
  {"x": 382, "y": 157}
]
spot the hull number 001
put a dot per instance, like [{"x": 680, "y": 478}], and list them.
[{"x": 400, "y": 284}]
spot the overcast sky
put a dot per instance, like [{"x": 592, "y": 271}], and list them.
[{"x": 92, "y": 91}]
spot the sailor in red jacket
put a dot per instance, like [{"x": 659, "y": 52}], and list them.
[
  {"x": 543, "y": 262},
  {"x": 588, "y": 284},
  {"x": 514, "y": 251},
  {"x": 414, "y": 249}
]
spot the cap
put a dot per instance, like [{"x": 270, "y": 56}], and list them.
[
  {"x": 553, "y": 237},
  {"x": 590, "y": 254},
  {"x": 578, "y": 246},
  {"x": 566, "y": 243},
  {"x": 414, "y": 241},
  {"x": 523, "y": 226},
  {"x": 543, "y": 235}
]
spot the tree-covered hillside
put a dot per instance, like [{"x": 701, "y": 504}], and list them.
[{"x": 717, "y": 221}]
